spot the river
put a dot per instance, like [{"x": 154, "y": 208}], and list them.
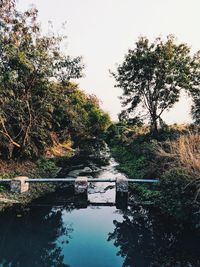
[{"x": 59, "y": 230}]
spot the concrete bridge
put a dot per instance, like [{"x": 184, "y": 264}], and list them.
[{"x": 21, "y": 184}]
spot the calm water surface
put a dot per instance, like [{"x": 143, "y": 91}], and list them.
[{"x": 59, "y": 230}]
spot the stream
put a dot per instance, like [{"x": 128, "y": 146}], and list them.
[{"x": 59, "y": 230}]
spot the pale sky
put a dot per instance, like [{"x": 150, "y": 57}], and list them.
[{"x": 102, "y": 31}]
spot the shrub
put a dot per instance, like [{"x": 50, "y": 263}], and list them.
[
  {"x": 45, "y": 167},
  {"x": 177, "y": 198},
  {"x": 129, "y": 163}
]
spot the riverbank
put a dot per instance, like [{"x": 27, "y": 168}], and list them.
[
  {"x": 43, "y": 167},
  {"x": 173, "y": 158},
  {"x": 82, "y": 161}
]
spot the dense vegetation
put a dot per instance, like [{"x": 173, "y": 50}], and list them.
[
  {"x": 39, "y": 105},
  {"x": 173, "y": 158}
]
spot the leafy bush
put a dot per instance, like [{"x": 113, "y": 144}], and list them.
[
  {"x": 2, "y": 188},
  {"x": 177, "y": 196},
  {"x": 45, "y": 167},
  {"x": 9, "y": 175},
  {"x": 145, "y": 192},
  {"x": 130, "y": 163}
]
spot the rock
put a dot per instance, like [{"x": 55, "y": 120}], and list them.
[
  {"x": 6, "y": 200},
  {"x": 76, "y": 173},
  {"x": 87, "y": 170},
  {"x": 76, "y": 167}
]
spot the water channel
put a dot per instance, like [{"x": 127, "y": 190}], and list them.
[{"x": 58, "y": 230}]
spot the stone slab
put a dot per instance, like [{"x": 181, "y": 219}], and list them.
[
  {"x": 18, "y": 185},
  {"x": 81, "y": 185},
  {"x": 122, "y": 184}
]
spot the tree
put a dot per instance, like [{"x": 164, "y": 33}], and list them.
[
  {"x": 194, "y": 90},
  {"x": 29, "y": 61},
  {"x": 38, "y": 102},
  {"x": 151, "y": 77},
  {"x": 7, "y": 8},
  {"x": 196, "y": 106},
  {"x": 77, "y": 114}
]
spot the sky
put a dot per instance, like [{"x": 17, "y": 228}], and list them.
[{"x": 102, "y": 31}]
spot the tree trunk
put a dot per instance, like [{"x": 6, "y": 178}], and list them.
[{"x": 154, "y": 128}]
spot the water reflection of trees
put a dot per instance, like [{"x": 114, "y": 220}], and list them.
[
  {"x": 30, "y": 237},
  {"x": 146, "y": 240}
]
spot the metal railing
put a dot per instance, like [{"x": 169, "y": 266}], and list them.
[{"x": 71, "y": 179}]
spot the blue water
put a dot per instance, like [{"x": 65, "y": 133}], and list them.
[
  {"x": 58, "y": 231},
  {"x": 91, "y": 229}
]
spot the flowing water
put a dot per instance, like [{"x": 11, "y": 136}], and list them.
[{"x": 59, "y": 230}]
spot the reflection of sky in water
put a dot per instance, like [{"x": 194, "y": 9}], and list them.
[
  {"x": 92, "y": 226},
  {"x": 88, "y": 245}
]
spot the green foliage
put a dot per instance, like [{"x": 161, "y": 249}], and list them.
[
  {"x": 45, "y": 167},
  {"x": 177, "y": 196},
  {"x": 9, "y": 175},
  {"x": 194, "y": 89},
  {"x": 84, "y": 117},
  {"x": 140, "y": 156},
  {"x": 37, "y": 99},
  {"x": 137, "y": 161},
  {"x": 2, "y": 188},
  {"x": 145, "y": 192},
  {"x": 196, "y": 110},
  {"x": 28, "y": 61},
  {"x": 131, "y": 164},
  {"x": 151, "y": 77},
  {"x": 196, "y": 103}
]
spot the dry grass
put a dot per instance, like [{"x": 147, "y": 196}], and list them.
[
  {"x": 187, "y": 150},
  {"x": 179, "y": 127},
  {"x": 59, "y": 149},
  {"x": 12, "y": 166}
]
